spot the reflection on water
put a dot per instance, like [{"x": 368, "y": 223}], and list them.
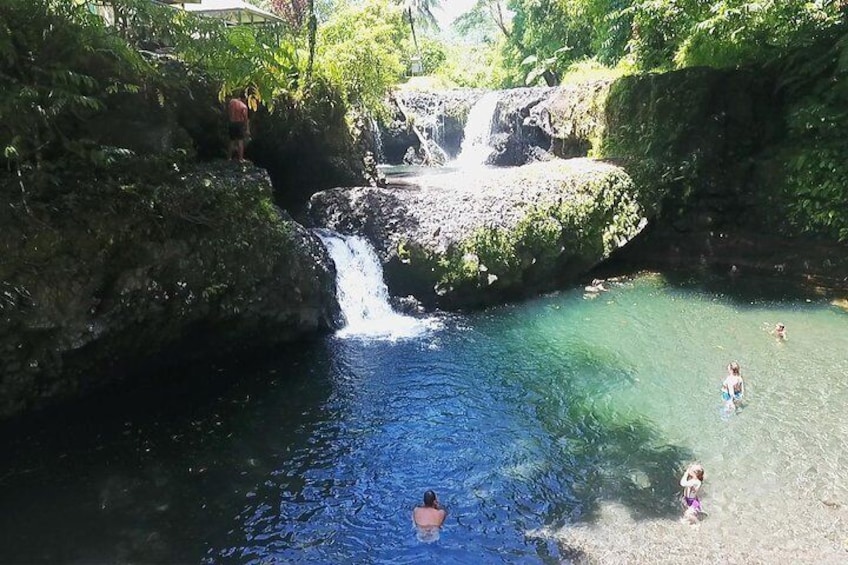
[{"x": 553, "y": 430}]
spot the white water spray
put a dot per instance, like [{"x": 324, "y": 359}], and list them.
[
  {"x": 478, "y": 132},
  {"x": 362, "y": 294}
]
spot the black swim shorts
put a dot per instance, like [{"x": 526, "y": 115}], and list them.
[{"x": 237, "y": 130}]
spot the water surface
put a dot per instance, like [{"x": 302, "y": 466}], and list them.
[{"x": 553, "y": 430}]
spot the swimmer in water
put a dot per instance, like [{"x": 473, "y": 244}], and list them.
[
  {"x": 779, "y": 331},
  {"x": 430, "y": 517},
  {"x": 733, "y": 387},
  {"x": 691, "y": 482}
]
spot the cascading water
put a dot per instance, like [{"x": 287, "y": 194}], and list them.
[
  {"x": 478, "y": 131},
  {"x": 362, "y": 294},
  {"x": 426, "y": 119},
  {"x": 379, "y": 155}
]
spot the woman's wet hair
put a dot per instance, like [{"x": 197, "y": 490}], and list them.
[
  {"x": 733, "y": 367},
  {"x": 697, "y": 470},
  {"x": 429, "y": 498}
]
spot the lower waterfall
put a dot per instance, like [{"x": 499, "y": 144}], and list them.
[{"x": 362, "y": 294}]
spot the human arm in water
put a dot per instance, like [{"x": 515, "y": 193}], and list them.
[{"x": 690, "y": 482}]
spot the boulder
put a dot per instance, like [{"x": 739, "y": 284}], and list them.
[
  {"x": 516, "y": 138},
  {"x": 466, "y": 240},
  {"x": 109, "y": 276},
  {"x": 310, "y": 147},
  {"x": 439, "y": 115}
]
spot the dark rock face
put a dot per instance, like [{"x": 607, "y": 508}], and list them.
[
  {"x": 397, "y": 138},
  {"x": 106, "y": 279},
  {"x": 695, "y": 137},
  {"x": 528, "y": 125},
  {"x": 461, "y": 240},
  {"x": 307, "y": 153},
  {"x": 440, "y": 116},
  {"x": 516, "y": 137},
  {"x": 572, "y": 117},
  {"x": 187, "y": 116}
]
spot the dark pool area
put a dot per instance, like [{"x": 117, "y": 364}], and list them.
[{"x": 548, "y": 429}]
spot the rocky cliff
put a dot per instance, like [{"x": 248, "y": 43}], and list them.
[
  {"x": 470, "y": 239},
  {"x": 109, "y": 275}
]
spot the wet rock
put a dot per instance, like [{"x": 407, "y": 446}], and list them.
[
  {"x": 572, "y": 117},
  {"x": 462, "y": 239},
  {"x": 440, "y": 115},
  {"x": 163, "y": 267},
  {"x": 516, "y": 138}
]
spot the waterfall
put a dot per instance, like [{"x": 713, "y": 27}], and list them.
[
  {"x": 362, "y": 294},
  {"x": 478, "y": 131},
  {"x": 426, "y": 119},
  {"x": 377, "y": 138}
]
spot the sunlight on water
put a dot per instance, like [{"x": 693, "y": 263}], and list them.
[
  {"x": 656, "y": 354},
  {"x": 553, "y": 431}
]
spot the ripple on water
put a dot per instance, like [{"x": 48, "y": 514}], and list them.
[{"x": 552, "y": 431}]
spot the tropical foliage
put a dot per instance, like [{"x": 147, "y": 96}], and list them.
[
  {"x": 62, "y": 64},
  {"x": 361, "y": 48},
  {"x": 543, "y": 37},
  {"x": 815, "y": 168}
]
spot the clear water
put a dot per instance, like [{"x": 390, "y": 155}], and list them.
[{"x": 552, "y": 430}]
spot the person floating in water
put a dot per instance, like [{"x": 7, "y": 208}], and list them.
[
  {"x": 733, "y": 387},
  {"x": 691, "y": 482},
  {"x": 429, "y": 518},
  {"x": 779, "y": 331}
]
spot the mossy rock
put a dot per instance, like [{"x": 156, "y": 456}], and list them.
[{"x": 106, "y": 272}]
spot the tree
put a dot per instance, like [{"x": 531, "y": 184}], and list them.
[
  {"x": 421, "y": 11},
  {"x": 299, "y": 13},
  {"x": 483, "y": 15},
  {"x": 361, "y": 48}
]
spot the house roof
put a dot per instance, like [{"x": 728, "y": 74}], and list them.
[{"x": 233, "y": 11}]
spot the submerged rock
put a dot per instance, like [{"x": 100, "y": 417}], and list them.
[
  {"x": 469, "y": 239},
  {"x": 114, "y": 276}
]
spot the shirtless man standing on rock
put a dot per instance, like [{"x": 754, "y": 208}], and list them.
[{"x": 237, "y": 114}]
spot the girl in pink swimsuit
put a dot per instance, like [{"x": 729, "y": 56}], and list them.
[{"x": 691, "y": 482}]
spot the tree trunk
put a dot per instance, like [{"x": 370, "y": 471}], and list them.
[
  {"x": 412, "y": 28},
  {"x": 551, "y": 78},
  {"x": 313, "y": 34}
]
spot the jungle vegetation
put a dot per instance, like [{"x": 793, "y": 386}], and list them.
[{"x": 61, "y": 65}]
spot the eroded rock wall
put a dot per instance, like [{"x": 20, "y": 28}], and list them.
[
  {"x": 307, "y": 149},
  {"x": 106, "y": 277},
  {"x": 441, "y": 116},
  {"x": 467, "y": 240}
]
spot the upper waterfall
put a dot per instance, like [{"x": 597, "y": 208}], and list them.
[
  {"x": 362, "y": 294},
  {"x": 478, "y": 131}
]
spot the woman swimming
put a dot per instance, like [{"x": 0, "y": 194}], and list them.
[
  {"x": 691, "y": 482},
  {"x": 733, "y": 387}
]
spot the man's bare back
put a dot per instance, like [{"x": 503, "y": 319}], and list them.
[
  {"x": 431, "y": 515},
  {"x": 425, "y": 517},
  {"x": 237, "y": 110}
]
